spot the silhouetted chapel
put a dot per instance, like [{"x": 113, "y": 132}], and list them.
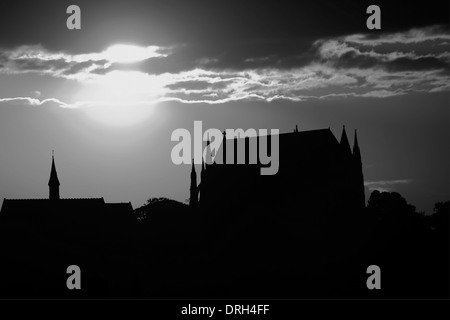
[
  {"x": 42, "y": 237},
  {"x": 79, "y": 210},
  {"x": 317, "y": 175}
]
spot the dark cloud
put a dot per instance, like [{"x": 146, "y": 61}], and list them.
[
  {"x": 197, "y": 85},
  {"x": 420, "y": 49},
  {"x": 35, "y": 64},
  {"x": 352, "y": 59},
  {"x": 413, "y": 50},
  {"x": 46, "y": 63},
  {"x": 267, "y": 53},
  {"x": 77, "y": 67},
  {"x": 247, "y": 56},
  {"x": 419, "y": 64},
  {"x": 182, "y": 58}
]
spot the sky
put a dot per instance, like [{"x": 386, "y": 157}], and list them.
[{"x": 107, "y": 97}]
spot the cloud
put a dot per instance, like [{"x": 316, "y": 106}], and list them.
[
  {"x": 33, "y": 101},
  {"x": 435, "y": 33},
  {"x": 385, "y": 185},
  {"x": 356, "y": 65},
  {"x": 36, "y": 59},
  {"x": 414, "y": 50}
]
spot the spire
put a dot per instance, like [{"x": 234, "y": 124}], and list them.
[
  {"x": 194, "y": 190},
  {"x": 193, "y": 176},
  {"x": 356, "y": 151},
  {"x": 193, "y": 167},
  {"x": 224, "y": 147},
  {"x": 53, "y": 183},
  {"x": 359, "y": 177},
  {"x": 345, "y": 145}
]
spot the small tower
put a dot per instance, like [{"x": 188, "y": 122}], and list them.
[
  {"x": 53, "y": 183},
  {"x": 345, "y": 145},
  {"x": 194, "y": 190},
  {"x": 224, "y": 147},
  {"x": 359, "y": 178}
]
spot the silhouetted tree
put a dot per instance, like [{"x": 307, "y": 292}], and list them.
[
  {"x": 403, "y": 243},
  {"x": 440, "y": 217},
  {"x": 157, "y": 206}
]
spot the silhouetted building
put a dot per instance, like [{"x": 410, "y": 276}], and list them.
[
  {"x": 317, "y": 175},
  {"x": 48, "y": 235},
  {"x": 85, "y": 211}
]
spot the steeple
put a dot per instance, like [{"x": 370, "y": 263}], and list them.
[
  {"x": 224, "y": 147},
  {"x": 193, "y": 175},
  {"x": 194, "y": 190},
  {"x": 359, "y": 177},
  {"x": 53, "y": 183},
  {"x": 345, "y": 145}
]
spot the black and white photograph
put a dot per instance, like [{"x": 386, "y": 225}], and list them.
[{"x": 224, "y": 155}]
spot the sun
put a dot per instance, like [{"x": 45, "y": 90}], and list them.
[
  {"x": 120, "y": 98},
  {"x": 125, "y": 53}
]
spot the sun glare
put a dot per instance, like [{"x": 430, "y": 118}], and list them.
[
  {"x": 124, "y": 53},
  {"x": 120, "y": 98},
  {"x": 119, "y": 115}
]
